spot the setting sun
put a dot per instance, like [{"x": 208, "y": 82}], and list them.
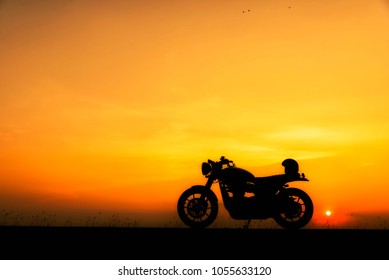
[{"x": 328, "y": 213}]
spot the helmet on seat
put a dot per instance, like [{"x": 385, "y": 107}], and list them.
[{"x": 291, "y": 166}]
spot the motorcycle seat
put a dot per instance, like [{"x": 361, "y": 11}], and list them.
[
  {"x": 273, "y": 180},
  {"x": 269, "y": 180}
]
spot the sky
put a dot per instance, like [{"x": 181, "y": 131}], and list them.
[{"x": 110, "y": 107}]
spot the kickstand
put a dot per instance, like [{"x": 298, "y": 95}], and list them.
[{"x": 246, "y": 226}]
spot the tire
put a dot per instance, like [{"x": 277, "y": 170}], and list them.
[
  {"x": 295, "y": 209},
  {"x": 195, "y": 213}
]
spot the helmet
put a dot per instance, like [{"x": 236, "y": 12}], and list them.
[{"x": 291, "y": 166}]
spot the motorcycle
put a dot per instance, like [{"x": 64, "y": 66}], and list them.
[{"x": 246, "y": 197}]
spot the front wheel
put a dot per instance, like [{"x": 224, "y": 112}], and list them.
[
  {"x": 197, "y": 207},
  {"x": 294, "y": 210}
]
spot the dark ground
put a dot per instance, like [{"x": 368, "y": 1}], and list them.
[{"x": 118, "y": 243}]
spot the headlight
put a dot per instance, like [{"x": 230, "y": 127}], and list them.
[{"x": 206, "y": 168}]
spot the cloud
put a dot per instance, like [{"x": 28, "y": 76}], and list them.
[{"x": 303, "y": 133}]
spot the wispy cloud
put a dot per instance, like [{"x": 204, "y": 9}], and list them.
[{"x": 301, "y": 133}]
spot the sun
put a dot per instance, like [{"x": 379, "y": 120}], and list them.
[{"x": 328, "y": 213}]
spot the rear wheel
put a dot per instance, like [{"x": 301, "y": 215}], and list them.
[
  {"x": 197, "y": 207},
  {"x": 295, "y": 209}
]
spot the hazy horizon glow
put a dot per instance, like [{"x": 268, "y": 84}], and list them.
[{"x": 113, "y": 105}]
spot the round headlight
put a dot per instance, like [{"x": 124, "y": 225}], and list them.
[{"x": 206, "y": 168}]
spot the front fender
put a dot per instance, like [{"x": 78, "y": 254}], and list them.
[{"x": 204, "y": 190}]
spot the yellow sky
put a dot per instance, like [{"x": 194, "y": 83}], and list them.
[{"x": 113, "y": 105}]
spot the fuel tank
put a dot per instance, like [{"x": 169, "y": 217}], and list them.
[{"x": 236, "y": 174}]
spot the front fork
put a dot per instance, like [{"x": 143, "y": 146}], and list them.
[{"x": 207, "y": 187}]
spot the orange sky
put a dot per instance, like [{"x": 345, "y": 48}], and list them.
[{"x": 111, "y": 106}]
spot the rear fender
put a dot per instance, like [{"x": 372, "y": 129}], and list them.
[{"x": 300, "y": 179}]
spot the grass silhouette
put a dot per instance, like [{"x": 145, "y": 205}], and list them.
[{"x": 44, "y": 218}]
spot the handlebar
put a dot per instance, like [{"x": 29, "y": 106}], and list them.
[{"x": 222, "y": 161}]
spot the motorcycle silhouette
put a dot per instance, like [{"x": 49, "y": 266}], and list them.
[{"x": 246, "y": 197}]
